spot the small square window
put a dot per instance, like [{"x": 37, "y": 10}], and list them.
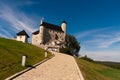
[{"x": 20, "y": 36}]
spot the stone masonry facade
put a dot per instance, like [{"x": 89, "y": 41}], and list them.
[{"x": 50, "y": 36}]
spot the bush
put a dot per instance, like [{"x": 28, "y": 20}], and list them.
[
  {"x": 65, "y": 50},
  {"x": 87, "y": 58}
]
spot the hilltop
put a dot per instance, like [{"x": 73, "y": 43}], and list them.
[
  {"x": 96, "y": 71},
  {"x": 11, "y": 53}
]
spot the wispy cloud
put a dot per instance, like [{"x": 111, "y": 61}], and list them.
[
  {"x": 29, "y": 2},
  {"x": 110, "y": 54},
  {"x": 87, "y": 33},
  {"x": 104, "y": 41},
  {"x": 100, "y": 38},
  {"x": 109, "y": 42},
  {"x": 16, "y": 19},
  {"x": 4, "y": 33},
  {"x": 101, "y": 44},
  {"x": 104, "y": 55}
]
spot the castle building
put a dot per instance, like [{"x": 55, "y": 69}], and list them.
[
  {"x": 22, "y": 36},
  {"x": 50, "y": 36}
]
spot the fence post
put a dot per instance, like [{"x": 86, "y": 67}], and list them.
[
  {"x": 23, "y": 60},
  {"x": 45, "y": 54}
]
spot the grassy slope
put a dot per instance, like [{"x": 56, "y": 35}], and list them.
[
  {"x": 11, "y": 53},
  {"x": 94, "y": 71},
  {"x": 110, "y": 64}
]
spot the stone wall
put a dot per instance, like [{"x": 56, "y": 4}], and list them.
[
  {"x": 35, "y": 39},
  {"x": 51, "y": 35},
  {"x": 22, "y": 38},
  {"x": 46, "y": 37}
]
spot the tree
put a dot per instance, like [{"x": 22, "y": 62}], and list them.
[
  {"x": 87, "y": 58},
  {"x": 73, "y": 45}
]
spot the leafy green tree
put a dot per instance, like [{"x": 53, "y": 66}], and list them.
[{"x": 73, "y": 45}]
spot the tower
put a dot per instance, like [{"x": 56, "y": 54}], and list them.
[
  {"x": 63, "y": 26},
  {"x": 41, "y": 31},
  {"x": 41, "y": 20},
  {"x": 22, "y": 36}
]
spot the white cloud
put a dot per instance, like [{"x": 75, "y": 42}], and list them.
[
  {"x": 87, "y": 33},
  {"x": 26, "y": 3},
  {"x": 101, "y": 44},
  {"x": 103, "y": 55},
  {"x": 101, "y": 35},
  {"x": 16, "y": 19},
  {"x": 107, "y": 43},
  {"x": 100, "y": 38},
  {"x": 4, "y": 33},
  {"x": 30, "y": 2},
  {"x": 104, "y": 41}
]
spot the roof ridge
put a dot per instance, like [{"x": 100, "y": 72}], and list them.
[
  {"x": 23, "y": 32},
  {"x": 50, "y": 24}
]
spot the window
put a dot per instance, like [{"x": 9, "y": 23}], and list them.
[
  {"x": 56, "y": 37},
  {"x": 20, "y": 37}
]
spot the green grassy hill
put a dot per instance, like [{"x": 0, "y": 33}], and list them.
[
  {"x": 110, "y": 64},
  {"x": 11, "y": 53},
  {"x": 96, "y": 71}
]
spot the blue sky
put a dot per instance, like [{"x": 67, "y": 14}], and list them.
[{"x": 95, "y": 23}]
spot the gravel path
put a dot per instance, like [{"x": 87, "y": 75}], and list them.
[{"x": 60, "y": 67}]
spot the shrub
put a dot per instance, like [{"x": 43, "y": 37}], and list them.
[
  {"x": 87, "y": 58},
  {"x": 65, "y": 50}
]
